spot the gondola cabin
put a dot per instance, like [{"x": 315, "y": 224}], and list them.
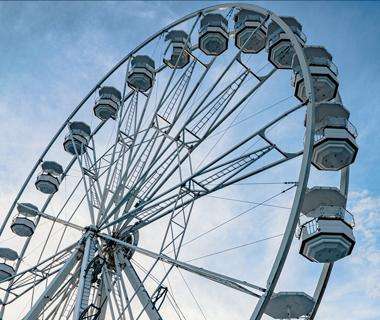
[
  {"x": 49, "y": 178},
  {"x": 77, "y": 139},
  {"x": 323, "y": 72},
  {"x": 279, "y": 47},
  {"x": 7, "y": 256},
  {"x": 179, "y": 46},
  {"x": 335, "y": 137},
  {"x": 142, "y": 73},
  {"x": 108, "y": 104},
  {"x": 327, "y": 235},
  {"x": 24, "y": 223},
  {"x": 250, "y": 31},
  {"x": 213, "y": 34}
]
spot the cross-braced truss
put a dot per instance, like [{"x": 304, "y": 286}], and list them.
[{"x": 139, "y": 181}]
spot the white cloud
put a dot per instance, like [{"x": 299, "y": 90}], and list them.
[{"x": 354, "y": 289}]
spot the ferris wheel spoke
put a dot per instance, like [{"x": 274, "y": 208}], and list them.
[
  {"x": 90, "y": 174},
  {"x": 133, "y": 149},
  {"x": 115, "y": 294},
  {"x": 182, "y": 107},
  {"x": 142, "y": 294},
  {"x": 172, "y": 103},
  {"x": 60, "y": 221},
  {"x": 163, "y": 292},
  {"x": 231, "y": 282},
  {"x": 193, "y": 187},
  {"x": 137, "y": 170},
  {"x": 126, "y": 127},
  {"x": 197, "y": 121},
  {"x": 192, "y": 295},
  {"x": 53, "y": 286},
  {"x": 210, "y": 112},
  {"x": 121, "y": 287},
  {"x": 176, "y": 229},
  {"x": 30, "y": 283},
  {"x": 259, "y": 133},
  {"x": 67, "y": 306},
  {"x": 60, "y": 297},
  {"x": 39, "y": 267},
  {"x": 203, "y": 115},
  {"x": 221, "y": 102},
  {"x": 178, "y": 221},
  {"x": 164, "y": 96},
  {"x": 106, "y": 282},
  {"x": 188, "y": 134}
]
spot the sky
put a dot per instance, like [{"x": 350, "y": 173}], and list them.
[{"x": 52, "y": 54}]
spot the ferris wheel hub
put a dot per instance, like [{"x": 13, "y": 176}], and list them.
[{"x": 92, "y": 228}]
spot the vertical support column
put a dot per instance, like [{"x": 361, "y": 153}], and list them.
[
  {"x": 84, "y": 286},
  {"x": 102, "y": 300},
  {"x": 141, "y": 293}
]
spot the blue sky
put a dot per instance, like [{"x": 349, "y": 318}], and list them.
[
  {"x": 53, "y": 53},
  {"x": 45, "y": 44}
]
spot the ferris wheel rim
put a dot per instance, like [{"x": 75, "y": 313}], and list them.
[{"x": 306, "y": 156}]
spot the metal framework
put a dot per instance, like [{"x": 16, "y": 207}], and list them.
[{"x": 148, "y": 175}]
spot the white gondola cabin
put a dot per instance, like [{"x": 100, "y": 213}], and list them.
[
  {"x": 327, "y": 235},
  {"x": 142, "y": 73},
  {"x": 289, "y": 305},
  {"x": 49, "y": 179},
  {"x": 7, "y": 256},
  {"x": 77, "y": 139},
  {"x": 213, "y": 34},
  {"x": 108, "y": 104},
  {"x": 335, "y": 137},
  {"x": 250, "y": 31},
  {"x": 24, "y": 223},
  {"x": 323, "y": 72},
  {"x": 279, "y": 46},
  {"x": 179, "y": 44}
]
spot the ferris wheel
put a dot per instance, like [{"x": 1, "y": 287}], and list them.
[{"x": 143, "y": 167}]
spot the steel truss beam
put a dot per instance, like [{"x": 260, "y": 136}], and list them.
[
  {"x": 52, "y": 287},
  {"x": 213, "y": 276},
  {"x": 154, "y": 203},
  {"x": 142, "y": 294},
  {"x": 84, "y": 286}
]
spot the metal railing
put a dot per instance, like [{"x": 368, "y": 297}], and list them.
[
  {"x": 312, "y": 226},
  {"x": 333, "y": 122}
]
